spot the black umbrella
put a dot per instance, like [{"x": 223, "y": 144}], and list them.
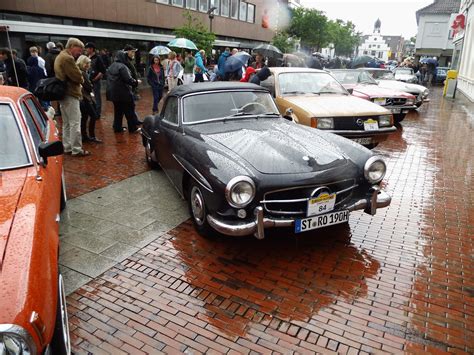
[
  {"x": 361, "y": 61},
  {"x": 267, "y": 50}
]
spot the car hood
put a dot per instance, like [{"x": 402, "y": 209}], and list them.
[
  {"x": 274, "y": 146},
  {"x": 11, "y": 185},
  {"x": 328, "y": 105},
  {"x": 404, "y": 76},
  {"x": 399, "y": 85},
  {"x": 375, "y": 91}
]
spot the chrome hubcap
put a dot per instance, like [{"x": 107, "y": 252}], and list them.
[{"x": 197, "y": 205}]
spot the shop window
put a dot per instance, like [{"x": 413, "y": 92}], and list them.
[
  {"x": 163, "y": 1},
  {"x": 234, "y": 9},
  {"x": 225, "y": 8},
  {"x": 243, "y": 11},
  {"x": 250, "y": 13},
  {"x": 179, "y": 3},
  {"x": 191, "y": 4}
]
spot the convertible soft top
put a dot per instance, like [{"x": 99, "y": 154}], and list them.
[{"x": 211, "y": 86}]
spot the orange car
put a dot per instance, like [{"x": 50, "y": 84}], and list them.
[{"x": 33, "y": 317}]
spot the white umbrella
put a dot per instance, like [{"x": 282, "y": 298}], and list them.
[
  {"x": 182, "y": 43},
  {"x": 160, "y": 50}
]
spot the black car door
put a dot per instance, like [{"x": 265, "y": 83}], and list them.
[{"x": 166, "y": 140}]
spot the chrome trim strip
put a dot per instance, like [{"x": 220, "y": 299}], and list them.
[{"x": 20, "y": 332}]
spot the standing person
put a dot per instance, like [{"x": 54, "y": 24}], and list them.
[
  {"x": 53, "y": 52},
  {"x": 105, "y": 56},
  {"x": 156, "y": 79},
  {"x": 97, "y": 72},
  {"x": 35, "y": 74},
  {"x": 199, "y": 68},
  {"x": 120, "y": 84},
  {"x": 130, "y": 58},
  {"x": 87, "y": 105},
  {"x": 221, "y": 63},
  {"x": 259, "y": 62},
  {"x": 188, "y": 68},
  {"x": 41, "y": 62},
  {"x": 65, "y": 69},
  {"x": 15, "y": 69},
  {"x": 172, "y": 71}
]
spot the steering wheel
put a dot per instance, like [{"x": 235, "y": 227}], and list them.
[{"x": 256, "y": 105}]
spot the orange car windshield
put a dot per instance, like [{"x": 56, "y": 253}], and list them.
[{"x": 12, "y": 148}]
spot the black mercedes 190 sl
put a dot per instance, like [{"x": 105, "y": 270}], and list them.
[{"x": 243, "y": 167}]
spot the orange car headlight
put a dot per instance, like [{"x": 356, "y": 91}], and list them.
[{"x": 322, "y": 123}]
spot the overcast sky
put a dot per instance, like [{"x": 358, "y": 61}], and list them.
[{"x": 398, "y": 17}]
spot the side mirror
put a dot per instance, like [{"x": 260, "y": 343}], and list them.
[
  {"x": 350, "y": 90},
  {"x": 289, "y": 111},
  {"x": 50, "y": 149}
]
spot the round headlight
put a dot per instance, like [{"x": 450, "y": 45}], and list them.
[
  {"x": 15, "y": 344},
  {"x": 426, "y": 92},
  {"x": 374, "y": 169},
  {"x": 240, "y": 191}
]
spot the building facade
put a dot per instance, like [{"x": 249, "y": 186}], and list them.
[
  {"x": 463, "y": 59},
  {"x": 142, "y": 23},
  {"x": 435, "y": 37},
  {"x": 374, "y": 45}
]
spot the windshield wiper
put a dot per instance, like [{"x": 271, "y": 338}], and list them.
[
  {"x": 269, "y": 114},
  {"x": 332, "y": 92},
  {"x": 294, "y": 92}
]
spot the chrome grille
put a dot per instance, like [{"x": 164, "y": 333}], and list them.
[
  {"x": 293, "y": 201},
  {"x": 395, "y": 101}
]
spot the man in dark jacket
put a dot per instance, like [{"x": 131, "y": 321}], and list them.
[
  {"x": 53, "y": 52},
  {"x": 97, "y": 72},
  {"x": 15, "y": 68},
  {"x": 119, "y": 90}
]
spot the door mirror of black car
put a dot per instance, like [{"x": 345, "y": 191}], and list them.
[
  {"x": 350, "y": 90},
  {"x": 50, "y": 149}
]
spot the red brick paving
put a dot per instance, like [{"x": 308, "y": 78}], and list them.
[{"x": 401, "y": 281}]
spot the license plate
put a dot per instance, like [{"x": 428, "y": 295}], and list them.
[
  {"x": 371, "y": 125},
  {"x": 324, "y": 220},
  {"x": 379, "y": 101},
  {"x": 322, "y": 203},
  {"x": 366, "y": 140},
  {"x": 396, "y": 110}
]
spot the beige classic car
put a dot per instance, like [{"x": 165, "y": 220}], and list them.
[{"x": 314, "y": 98}]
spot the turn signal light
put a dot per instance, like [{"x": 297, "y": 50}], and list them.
[{"x": 314, "y": 122}]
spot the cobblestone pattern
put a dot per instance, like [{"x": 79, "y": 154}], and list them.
[{"x": 401, "y": 281}]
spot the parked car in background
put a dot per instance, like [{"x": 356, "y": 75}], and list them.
[
  {"x": 441, "y": 73},
  {"x": 244, "y": 168},
  {"x": 314, "y": 98},
  {"x": 33, "y": 316},
  {"x": 361, "y": 84},
  {"x": 405, "y": 74},
  {"x": 386, "y": 79}
]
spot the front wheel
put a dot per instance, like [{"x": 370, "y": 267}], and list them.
[
  {"x": 371, "y": 146},
  {"x": 197, "y": 209},
  {"x": 399, "y": 117},
  {"x": 149, "y": 159},
  {"x": 61, "y": 342}
]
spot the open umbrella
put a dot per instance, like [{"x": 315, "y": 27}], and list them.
[
  {"x": 429, "y": 61},
  {"x": 361, "y": 61},
  {"x": 292, "y": 60},
  {"x": 236, "y": 62},
  {"x": 267, "y": 50},
  {"x": 160, "y": 50},
  {"x": 182, "y": 43}
]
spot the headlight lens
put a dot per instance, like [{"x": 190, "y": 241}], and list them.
[
  {"x": 325, "y": 123},
  {"x": 410, "y": 101},
  {"x": 240, "y": 191},
  {"x": 374, "y": 169},
  {"x": 426, "y": 93},
  {"x": 385, "y": 121},
  {"x": 13, "y": 344}
]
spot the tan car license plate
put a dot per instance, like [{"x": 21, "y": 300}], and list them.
[
  {"x": 323, "y": 220},
  {"x": 371, "y": 125}
]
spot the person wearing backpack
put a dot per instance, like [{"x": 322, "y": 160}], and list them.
[{"x": 172, "y": 71}]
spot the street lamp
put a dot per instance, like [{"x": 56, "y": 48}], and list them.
[{"x": 210, "y": 13}]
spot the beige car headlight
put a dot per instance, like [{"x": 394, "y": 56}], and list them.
[
  {"x": 325, "y": 123},
  {"x": 425, "y": 93},
  {"x": 385, "y": 121},
  {"x": 240, "y": 191},
  {"x": 410, "y": 102},
  {"x": 374, "y": 169}
]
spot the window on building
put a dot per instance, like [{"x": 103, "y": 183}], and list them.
[
  {"x": 365, "y": 52},
  {"x": 243, "y": 11},
  {"x": 372, "y": 53},
  {"x": 234, "y": 9},
  {"x": 251, "y": 13},
  {"x": 225, "y": 7},
  {"x": 179, "y": 3},
  {"x": 191, "y": 4},
  {"x": 370, "y": 45},
  {"x": 216, "y": 4},
  {"x": 380, "y": 55},
  {"x": 378, "y": 46},
  {"x": 163, "y": 1},
  {"x": 203, "y": 5}
]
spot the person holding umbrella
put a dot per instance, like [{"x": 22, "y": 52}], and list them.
[
  {"x": 156, "y": 79},
  {"x": 199, "y": 68}
]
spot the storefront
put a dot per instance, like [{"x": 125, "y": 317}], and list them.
[{"x": 463, "y": 60}]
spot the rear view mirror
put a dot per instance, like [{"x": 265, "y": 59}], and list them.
[
  {"x": 50, "y": 149},
  {"x": 350, "y": 90}
]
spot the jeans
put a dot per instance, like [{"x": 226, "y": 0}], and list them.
[
  {"x": 88, "y": 114},
  {"x": 124, "y": 108},
  {"x": 98, "y": 98},
  {"x": 71, "y": 115},
  {"x": 198, "y": 78},
  {"x": 157, "y": 95}
]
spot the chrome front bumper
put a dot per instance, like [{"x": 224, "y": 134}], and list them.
[{"x": 377, "y": 199}]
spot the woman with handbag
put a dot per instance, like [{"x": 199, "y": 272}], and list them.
[
  {"x": 156, "y": 79},
  {"x": 172, "y": 71}
]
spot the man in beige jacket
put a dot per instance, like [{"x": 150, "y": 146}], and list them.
[{"x": 65, "y": 69}]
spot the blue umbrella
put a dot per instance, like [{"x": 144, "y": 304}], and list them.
[
  {"x": 182, "y": 43},
  {"x": 236, "y": 62},
  {"x": 429, "y": 61},
  {"x": 160, "y": 50}
]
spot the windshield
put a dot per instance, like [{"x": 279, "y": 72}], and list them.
[
  {"x": 12, "y": 149},
  {"x": 382, "y": 74},
  {"x": 353, "y": 77},
  {"x": 309, "y": 83},
  {"x": 227, "y": 104}
]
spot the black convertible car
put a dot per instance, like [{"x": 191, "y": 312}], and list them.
[{"x": 244, "y": 168}]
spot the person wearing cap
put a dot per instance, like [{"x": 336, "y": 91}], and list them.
[
  {"x": 97, "y": 72},
  {"x": 130, "y": 51},
  {"x": 53, "y": 52},
  {"x": 34, "y": 52},
  {"x": 65, "y": 69}
]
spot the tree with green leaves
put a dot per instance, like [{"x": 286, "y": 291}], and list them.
[
  {"x": 284, "y": 42},
  {"x": 311, "y": 26},
  {"x": 195, "y": 31},
  {"x": 344, "y": 37}
]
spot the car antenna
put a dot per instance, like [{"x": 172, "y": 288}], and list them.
[{"x": 5, "y": 28}]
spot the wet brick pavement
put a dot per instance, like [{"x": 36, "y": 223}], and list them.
[{"x": 401, "y": 281}]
